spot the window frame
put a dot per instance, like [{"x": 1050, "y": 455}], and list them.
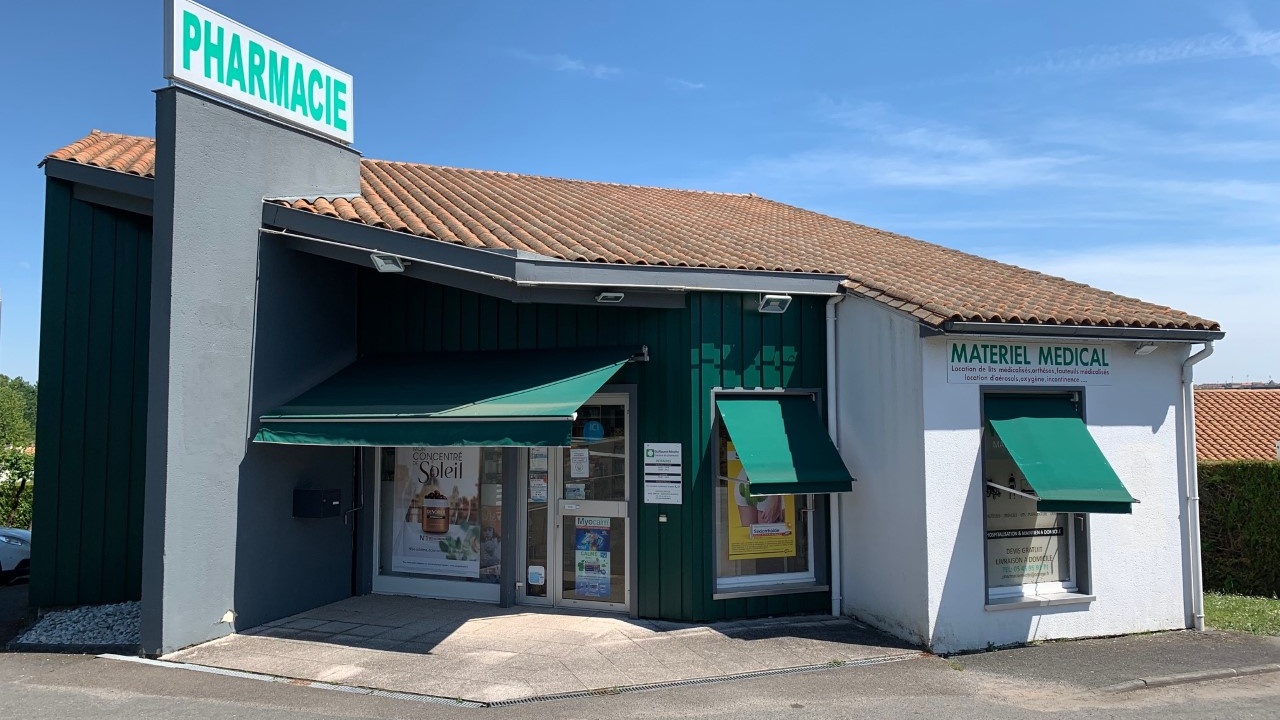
[
  {"x": 1078, "y": 586},
  {"x": 812, "y": 580}
]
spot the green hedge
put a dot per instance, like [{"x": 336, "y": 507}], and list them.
[
  {"x": 1240, "y": 526},
  {"x": 22, "y": 513}
]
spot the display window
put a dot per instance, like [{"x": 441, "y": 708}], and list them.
[
  {"x": 1028, "y": 553},
  {"x": 762, "y": 541},
  {"x": 441, "y": 515}
]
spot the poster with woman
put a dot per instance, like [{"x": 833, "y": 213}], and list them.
[{"x": 760, "y": 526}]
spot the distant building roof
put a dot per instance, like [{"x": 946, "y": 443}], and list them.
[{"x": 1237, "y": 424}]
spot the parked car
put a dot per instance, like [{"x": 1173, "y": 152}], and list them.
[{"x": 15, "y": 554}]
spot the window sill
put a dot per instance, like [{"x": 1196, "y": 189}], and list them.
[
  {"x": 1016, "y": 602},
  {"x": 758, "y": 591}
]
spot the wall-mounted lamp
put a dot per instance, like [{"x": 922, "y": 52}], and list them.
[
  {"x": 1145, "y": 349},
  {"x": 387, "y": 263},
  {"x": 610, "y": 297},
  {"x": 774, "y": 304}
]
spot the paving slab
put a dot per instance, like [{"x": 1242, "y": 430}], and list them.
[{"x": 488, "y": 654}]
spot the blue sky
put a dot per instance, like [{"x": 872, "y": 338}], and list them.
[{"x": 1134, "y": 146}]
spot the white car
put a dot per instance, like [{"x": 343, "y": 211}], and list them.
[{"x": 15, "y": 554}]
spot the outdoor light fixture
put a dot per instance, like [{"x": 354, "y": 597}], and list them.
[
  {"x": 774, "y": 304},
  {"x": 1145, "y": 349},
  {"x": 610, "y": 297},
  {"x": 387, "y": 263}
]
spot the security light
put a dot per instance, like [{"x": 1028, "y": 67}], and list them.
[
  {"x": 774, "y": 304},
  {"x": 1145, "y": 349},
  {"x": 387, "y": 263},
  {"x": 610, "y": 297}
]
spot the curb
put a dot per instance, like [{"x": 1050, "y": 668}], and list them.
[
  {"x": 73, "y": 649},
  {"x": 1188, "y": 677}
]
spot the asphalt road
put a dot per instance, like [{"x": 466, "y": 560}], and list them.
[{"x": 51, "y": 686}]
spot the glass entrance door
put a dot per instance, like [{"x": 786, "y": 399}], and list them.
[{"x": 577, "y": 546}]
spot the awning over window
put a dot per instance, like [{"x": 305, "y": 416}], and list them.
[
  {"x": 783, "y": 445},
  {"x": 1054, "y": 450},
  {"x": 484, "y": 398}
]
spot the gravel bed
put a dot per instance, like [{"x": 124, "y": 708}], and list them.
[{"x": 90, "y": 625}]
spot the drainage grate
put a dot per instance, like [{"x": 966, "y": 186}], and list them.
[
  {"x": 577, "y": 694},
  {"x": 705, "y": 681}
]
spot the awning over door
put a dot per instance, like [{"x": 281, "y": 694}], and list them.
[
  {"x": 783, "y": 445},
  {"x": 1053, "y": 448},
  {"x": 519, "y": 398}
]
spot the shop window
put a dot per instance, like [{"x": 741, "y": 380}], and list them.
[
  {"x": 763, "y": 542},
  {"x": 1029, "y": 554},
  {"x": 441, "y": 513}
]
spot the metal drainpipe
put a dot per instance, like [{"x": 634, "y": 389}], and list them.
[
  {"x": 833, "y": 429},
  {"x": 1193, "y": 487}
]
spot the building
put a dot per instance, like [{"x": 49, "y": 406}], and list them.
[
  {"x": 275, "y": 374},
  {"x": 1238, "y": 422}
]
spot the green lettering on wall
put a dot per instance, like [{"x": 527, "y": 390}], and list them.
[
  {"x": 257, "y": 67},
  {"x": 213, "y": 50},
  {"x": 190, "y": 37},
  {"x": 278, "y": 79},
  {"x": 1046, "y": 356},
  {"x": 299, "y": 101},
  {"x": 315, "y": 93},
  {"x": 339, "y": 104},
  {"x": 1004, "y": 354},
  {"x": 235, "y": 63}
]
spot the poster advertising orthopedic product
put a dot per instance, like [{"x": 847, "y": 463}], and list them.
[
  {"x": 591, "y": 557},
  {"x": 437, "y": 495},
  {"x": 1024, "y": 546},
  {"x": 760, "y": 526}
]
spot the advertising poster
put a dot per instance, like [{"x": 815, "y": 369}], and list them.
[
  {"x": 437, "y": 494},
  {"x": 591, "y": 557},
  {"x": 760, "y": 526}
]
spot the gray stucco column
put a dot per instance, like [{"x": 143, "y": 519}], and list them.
[{"x": 214, "y": 166}]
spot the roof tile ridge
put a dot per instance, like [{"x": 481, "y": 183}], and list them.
[{"x": 536, "y": 176}]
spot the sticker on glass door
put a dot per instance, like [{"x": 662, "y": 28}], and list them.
[{"x": 591, "y": 557}]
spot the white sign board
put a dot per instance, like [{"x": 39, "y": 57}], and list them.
[
  {"x": 663, "y": 473},
  {"x": 982, "y": 362},
  {"x": 215, "y": 54}
]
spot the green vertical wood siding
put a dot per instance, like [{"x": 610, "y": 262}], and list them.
[
  {"x": 91, "y": 425},
  {"x": 719, "y": 340}
]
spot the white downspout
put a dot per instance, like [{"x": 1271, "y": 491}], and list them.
[
  {"x": 833, "y": 429},
  {"x": 1193, "y": 487}
]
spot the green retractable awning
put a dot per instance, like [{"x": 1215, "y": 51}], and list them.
[
  {"x": 783, "y": 445},
  {"x": 1053, "y": 448},
  {"x": 508, "y": 398}
]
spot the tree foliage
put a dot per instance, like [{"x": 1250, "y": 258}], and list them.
[{"x": 15, "y": 431}]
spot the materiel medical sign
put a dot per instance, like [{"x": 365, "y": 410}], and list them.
[
  {"x": 1014, "y": 363},
  {"x": 215, "y": 54}
]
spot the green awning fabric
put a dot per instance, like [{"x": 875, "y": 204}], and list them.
[
  {"x": 1058, "y": 456},
  {"x": 509, "y": 398},
  {"x": 783, "y": 445}
]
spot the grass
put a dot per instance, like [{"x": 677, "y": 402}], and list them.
[{"x": 1257, "y": 615}]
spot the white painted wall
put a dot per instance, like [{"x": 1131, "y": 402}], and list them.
[
  {"x": 881, "y": 438},
  {"x": 1138, "y": 561}
]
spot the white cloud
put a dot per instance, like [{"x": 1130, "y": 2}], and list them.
[
  {"x": 1232, "y": 283},
  {"x": 1244, "y": 42},
  {"x": 680, "y": 84},
  {"x": 563, "y": 63}
]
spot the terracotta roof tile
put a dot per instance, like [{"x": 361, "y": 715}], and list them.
[
  {"x": 610, "y": 223},
  {"x": 1237, "y": 424}
]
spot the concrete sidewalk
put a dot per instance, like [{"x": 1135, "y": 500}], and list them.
[{"x": 488, "y": 654}]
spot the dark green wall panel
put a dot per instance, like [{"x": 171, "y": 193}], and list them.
[
  {"x": 719, "y": 340},
  {"x": 90, "y": 437}
]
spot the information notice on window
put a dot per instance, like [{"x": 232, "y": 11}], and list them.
[
  {"x": 760, "y": 526},
  {"x": 663, "y": 463}
]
